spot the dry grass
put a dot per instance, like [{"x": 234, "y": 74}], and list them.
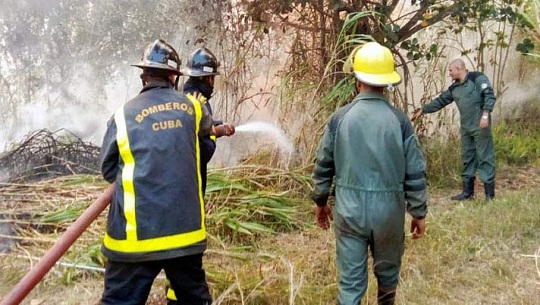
[{"x": 474, "y": 253}]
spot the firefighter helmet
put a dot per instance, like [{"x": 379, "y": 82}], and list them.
[
  {"x": 160, "y": 55},
  {"x": 201, "y": 63},
  {"x": 373, "y": 65}
]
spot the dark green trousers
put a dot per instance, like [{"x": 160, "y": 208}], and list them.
[{"x": 478, "y": 153}]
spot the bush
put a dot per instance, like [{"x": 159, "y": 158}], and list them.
[
  {"x": 443, "y": 158},
  {"x": 516, "y": 144}
]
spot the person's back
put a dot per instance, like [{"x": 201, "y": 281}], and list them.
[
  {"x": 371, "y": 150},
  {"x": 160, "y": 124},
  {"x": 372, "y": 130},
  {"x": 162, "y": 133},
  {"x": 156, "y": 220}
]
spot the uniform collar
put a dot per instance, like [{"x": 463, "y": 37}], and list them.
[
  {"x": 371, "y": 95},
  {"x": 464, "y": 79},
  {"x": 156, "y": 84},
  {"x": 195, "y": 84}
]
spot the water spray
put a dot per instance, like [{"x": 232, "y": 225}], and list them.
[{"x": 285, "y": 145}]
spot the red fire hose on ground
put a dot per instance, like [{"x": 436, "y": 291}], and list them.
[{"x": 30, "y": 280}]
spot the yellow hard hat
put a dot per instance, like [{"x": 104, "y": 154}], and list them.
[{"x": 373, "y": 65}]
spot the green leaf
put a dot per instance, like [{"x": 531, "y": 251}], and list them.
[{"x": 526, "y": 46}]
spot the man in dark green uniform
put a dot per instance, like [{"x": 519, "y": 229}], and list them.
[
  {"x": 156, "y": 220},
  {"x": 371, "y": 149},
  {"x": 475, "y": 99}
]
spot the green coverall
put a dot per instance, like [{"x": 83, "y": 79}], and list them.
[
  {"x": 371, "y": 150},
  {"x": 473, "y": 96}
]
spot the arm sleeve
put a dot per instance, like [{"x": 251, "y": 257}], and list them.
[
  {"x": 439, "y": 102},
  {"x": 209, "y": 107},
  {"x": 206, "y": 124},
  {"x": 324, "y": 170},
  {"x": 109, "y": 153},
  {"x": 486, "y": 91},
  {"x": 208, "y": 147},
  {"x": 415, "y": 185}
]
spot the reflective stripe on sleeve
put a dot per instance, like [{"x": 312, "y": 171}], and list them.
[
  {"x": 131, "y": 244},
  {"x": 198, "y": 116},
  {"x": 127, "y": 174}
]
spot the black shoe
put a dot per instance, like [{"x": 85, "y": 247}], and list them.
[
  {"x": 468, "y": 190},
  {"x": 462, "y": 196},
  {"x": 489, "y": 189},
  {"x": 386, "y": 297}
]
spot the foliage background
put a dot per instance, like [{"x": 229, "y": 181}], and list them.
[{"x": 278, "y": 57}]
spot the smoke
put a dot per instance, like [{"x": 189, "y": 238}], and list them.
[
  {"x": 519, "y": 96},
  {"x": 66, "y": 64},
  {"x": 74, "y": 105}
]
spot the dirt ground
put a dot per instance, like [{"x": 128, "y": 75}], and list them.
[{"x": 87, "y": 288}]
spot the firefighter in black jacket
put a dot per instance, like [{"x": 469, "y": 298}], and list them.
[
  {"x": 202, "y": 69},
  {"x": 156, "y": 221}
]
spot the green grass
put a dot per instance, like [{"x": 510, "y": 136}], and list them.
[
  {"x": 443, "y": 162},
  {"x": 241, "y": 207},
  {"x": 473, "y": 253},
  {"x": 517, "y": 143},
  {"x": 264, "y": 247}
]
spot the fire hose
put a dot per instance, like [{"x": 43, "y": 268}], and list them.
[{"x": 36, "y": 274}]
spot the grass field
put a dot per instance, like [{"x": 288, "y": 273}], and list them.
[{"x": 473, "y": 253}]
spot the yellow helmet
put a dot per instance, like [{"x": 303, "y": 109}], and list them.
[{"x": 373, "y": 65}]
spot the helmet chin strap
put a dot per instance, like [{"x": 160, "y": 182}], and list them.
[
  {"x": 176, "y": 82},
  {"x": 142, "y": 80}
]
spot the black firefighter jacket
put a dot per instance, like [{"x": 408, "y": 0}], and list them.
[
  {"x": 208, "y": 143},
  {"x": 151, "y": 150}
]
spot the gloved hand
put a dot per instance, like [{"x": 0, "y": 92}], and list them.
[{"x": 224, "y": 130}]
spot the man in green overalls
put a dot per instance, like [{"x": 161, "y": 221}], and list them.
[
  {"x": 371, "y": 149},
  {"x": 475, "y": 99}
]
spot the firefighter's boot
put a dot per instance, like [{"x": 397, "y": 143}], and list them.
[
  {"x": 489, "y": 189},
  {"x": 386, "y": 296},
  {"x": 468, "y": 190}
]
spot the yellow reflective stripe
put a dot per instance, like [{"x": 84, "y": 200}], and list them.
[
  {"x": 131, "y": 244},
  {"x": 155, "y": 244},
  {"x": 171, "y": 295},
  {"x": 127, "y": 174},
  {"x": 213, "y": 138},
  {"x": 198, "y": 116}
]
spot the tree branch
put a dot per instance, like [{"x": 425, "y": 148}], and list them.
[{"x": 414, "y": 27}]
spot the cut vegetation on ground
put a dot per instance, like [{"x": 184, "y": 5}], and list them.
[{"x": 265, "y": 249}]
